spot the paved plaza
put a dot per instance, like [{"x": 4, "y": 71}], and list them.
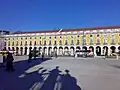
[{"x": 62, "y": 73}]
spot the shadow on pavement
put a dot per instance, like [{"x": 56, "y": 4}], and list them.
[
  {"x": 115, "y": 66},
  {"x": 39, "y": 79}
]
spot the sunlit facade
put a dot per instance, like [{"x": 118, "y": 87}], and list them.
[{"x": 66, "y": 41}]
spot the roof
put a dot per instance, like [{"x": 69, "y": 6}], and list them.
[{"x": 67, "y": 30}]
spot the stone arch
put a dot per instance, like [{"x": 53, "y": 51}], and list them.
[
  {"x": 98, "y": 50},
  {"x": 49, "y": 51},
  {"x": 105, "y": 50},
  {"x": 91, "y": 48},
  {"x": 17, "y": 50},
  {"x": 25, "y": 51},
  {"x": 72, "y": 50},
  {"x": 9, "y": 48},
  {"x": 66, "y": 50},
  {"x": 113, "y": 49},
  {"x": 77, "y": 48},
  {"x": 84, "y": 48},
  {"x": 30, "y": 49},
  {"x": 21, "y": 50},
  {"x": 45, "y": 50},
  {"x": 60, "y": 51}
]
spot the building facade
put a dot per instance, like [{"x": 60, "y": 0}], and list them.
[{"x": 66, "y": 41}]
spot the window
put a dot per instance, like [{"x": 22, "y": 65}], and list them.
[
  {"x": 35, "y": 43},
  {"x": 9, "y": 43},
  {"x": 60, "y": 42},
  {"x": 40, "y": 43},
  {"x": 55, "y": 37},
  {"x": 112, "y": 39},
  {"x": 49, "y": 37},
  {"x": 26, "y": 38},
  {"x": 30, "y": 42},
  {"x": 55, "y": 43},
  {"x": 17, "y": 43},
  {"x": 30, "y": 37},
  {"x": 21, "y": 38},
  {"x": 90, "y": 35},
  {"x": 78, "y": 42},
  {"x": 78, "y": 36},
  {"x": 12, "y": 43},
  {"x": 66, "y": 43},
  {"x": 71, "y": 42},
  {"x": 21, "y": 43},
  {"x": 50, "y": 42},
  {"x": 40, "y": 37},
  {"x": 44, "y": 42},
  {"x": 91, "y": 41},
  {"x": 71, "y": 36},
  {"x": 35, "y": 37},
  {"x": 60, "y": 36},
  {"x": 25, "y": 42},
  {"x": 97, "y": 35},
  {"x": 98, "y": 41}
]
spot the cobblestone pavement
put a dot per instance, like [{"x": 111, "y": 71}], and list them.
[{"x": 85, "y": 73}]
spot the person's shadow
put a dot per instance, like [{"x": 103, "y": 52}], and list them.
[
  {"x": 68, "y": 82},
  {"x": 49, "y": 83}
]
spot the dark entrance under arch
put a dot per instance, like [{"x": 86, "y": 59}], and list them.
[
  {"x": 21, "y": 50},
  {"x": 84, "y": 48},
  {"x": 91, "y": 48},
  {"x": 105, "y": 49},
  {"x": 113, "y": 48},
  {"x": 17, "y": 50},
  {"x": 30, "y": 49},
  {"x": 98, "y": 50},
  {"x": 25, "y": 51}
]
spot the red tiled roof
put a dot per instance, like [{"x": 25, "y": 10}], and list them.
[{"x": 66, "y": 30}]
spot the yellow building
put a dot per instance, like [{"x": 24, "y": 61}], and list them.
[{"x": 66, "y": 41}]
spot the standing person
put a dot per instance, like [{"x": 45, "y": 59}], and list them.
[
  {"x": 30, "y": 57},
  {"x": 42, "y": 56},
  {"x": 9, "y": 62},
  {"x": 4, "y": 59}
]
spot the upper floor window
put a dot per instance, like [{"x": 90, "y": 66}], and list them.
[
  {"x": 78, "y": 42},
  {"x": 97, "y": 35},
  {"x": 25, "y": 42},
  {"x": 21, "y": 38},
  {"x": 55, "y": 37},
  {"x": 60, "y": 42},
  {"x": 9, "y": 43},
  {"x": 40, "y": 43},
  {"x": 66, "y": 43},
  {"x": 25, "y": 37},
  {"x": 49, "y": 37},
  {"x": 30, "y": 42},
  {"x": 71, "y": 36},
  {"x": 60, "y": 36},
  {"x": 35, "y": 43},
  {"x": 17, "y": 43},
  {"x": 50, "y": 42},
  {"x": 72, "y": 42},
  {"x": 12, "y": 43},
  {"x": 40, "y": 37},
  {"x": 55, "y": 43},
  {"x": 44, "y": 42},
  {"x": 21, "y": 43},
  {"x": 78, "y": 36},
  {"x": 90, "y": 35},
  {"x": 30, "y": 37},
  {"x": 35, "y": 37}
]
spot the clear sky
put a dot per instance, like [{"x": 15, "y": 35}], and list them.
[{"x": 21, "y": 15}]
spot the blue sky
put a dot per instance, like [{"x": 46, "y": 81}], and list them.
[{"x": 30, "y": 15}]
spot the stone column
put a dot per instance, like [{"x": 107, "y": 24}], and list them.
[
  {"x": 28, "y": 51},
  {"x": 95, "y": 51},
  {"x": 109, "y": 51}
]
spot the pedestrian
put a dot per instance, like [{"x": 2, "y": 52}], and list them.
[
  {"x": 30, "y": 57},
  {"x": 4, "y": 58},
  {"x": 42, "y": 56},
  {"x": 9, "y": 62}
]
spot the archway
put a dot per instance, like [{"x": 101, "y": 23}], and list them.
[
  {"x": 66, "y": 51},
  {"x": 91, "y": 48},
  {"x": 49, "y": 51},
  {"x": 60, "y": 51},
  {"x": 72, "y": 50},
  {"x": 113, "y": 49},
  {"x": 55, "y": 50},
  {"x": 77, "y": 48},
  {"x": 40, "y": 50},
  {"x": 98, "y": 50},
  {"x": 45, "y": 50},
  {"x": 105, "y": 49},
  {"x": 25, "y": 51},
  {"x": 21, "y": 50},
  {"x": 84, "y": 48},
  {"x": 30, "y": 49}
]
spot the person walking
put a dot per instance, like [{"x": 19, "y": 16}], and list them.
[
  {"x": 4, "y": 58},
  {"x": 9, "y": 62},
  {"x": 30, "y": 57}
]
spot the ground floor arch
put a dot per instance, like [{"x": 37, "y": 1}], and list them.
[
  {"x": 105, "y": 50},
  {"x": 98, "y": 50},
  {"x": 45, "y": 50},
  {"x": 25, "y": 53},
  {"x": 60, "y": 51},
  {"x": 17, "y": 50},
  {"x": 91, "y": 48},
  {"x": 49, "y": 51},
  {"x": 113, "y": 49},
  {"x": 72, "y": 50},
  {"x": 21, "y": 50},
  {"x": 84, "y": 48},
  {"x": 66, "y": 51},
  {"x": 78, "y": 48}
]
